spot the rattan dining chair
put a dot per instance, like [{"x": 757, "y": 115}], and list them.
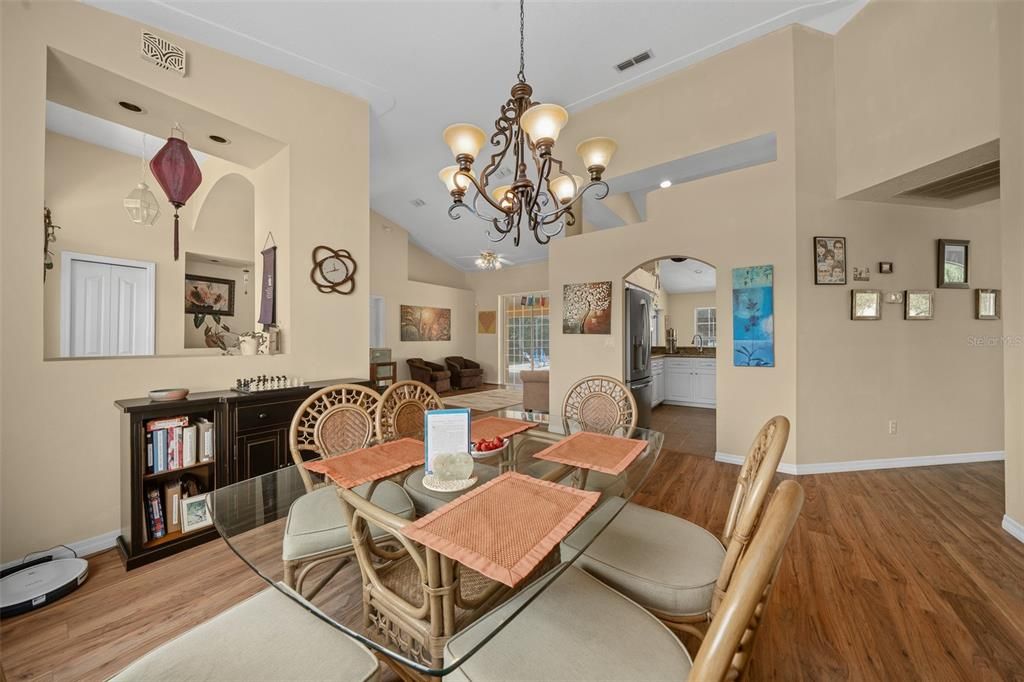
[
  {"x": 401, "y": 409},
  {"x": 600, "y": 403},
  {"x": 674, "y": 568},
  {"x": 413, "y": 597},
  {"x": 579, "y": 628},
  {"x": 332, "y": 421}
]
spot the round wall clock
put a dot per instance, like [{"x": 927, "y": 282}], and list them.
[{"x": 333, "y": 270}]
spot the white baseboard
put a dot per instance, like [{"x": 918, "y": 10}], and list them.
[
  {"x": 871, "y": 464},
  {"x": 1014, "y": 528},
  {"x": 82, "y": 547}
]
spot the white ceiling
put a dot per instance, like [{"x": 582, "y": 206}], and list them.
[
  {"x": 689, "y": 277},
  {"x": 425, "y": 64}
]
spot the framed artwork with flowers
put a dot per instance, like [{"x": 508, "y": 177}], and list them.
[{"x": 209, "y": 296}]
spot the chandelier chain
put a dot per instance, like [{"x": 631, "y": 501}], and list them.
[{"x": 522, "y": 41}]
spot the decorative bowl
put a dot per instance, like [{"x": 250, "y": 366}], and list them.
[
  {"x": 481, "y": 454},
  {"x": 161, "y": 395}
]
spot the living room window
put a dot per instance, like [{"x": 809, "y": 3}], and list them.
[{"x": 525, "y": 334}]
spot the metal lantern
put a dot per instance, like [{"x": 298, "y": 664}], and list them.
[
  {"x": 178, "y": 174},
  {"x": 141, "y": 205}
]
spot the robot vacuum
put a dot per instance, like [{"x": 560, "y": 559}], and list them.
[{"x": 37, "y": 584}]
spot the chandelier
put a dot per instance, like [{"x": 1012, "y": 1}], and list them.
[
  {"x": 488, "y": 260},
  {"x": 525, "y": 131}
]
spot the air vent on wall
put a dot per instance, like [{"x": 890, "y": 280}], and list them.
[
  {"x": 633, "y": 61},
  {"x": 418, "y": 203},
  {"x": 977, "y": 179},
  {"x": 163, "y": 53}
]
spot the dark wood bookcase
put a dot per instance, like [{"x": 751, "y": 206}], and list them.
[{"x": 250, "y": 439}]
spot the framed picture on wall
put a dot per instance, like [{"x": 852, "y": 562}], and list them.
[
  {"x": 919, "y": 305},
  {"x": 987, "y": 304},
  {"x": 209, "y": 296},
  {"x": 954, "y": 264},
  {"x": 865, "y": 304},
  {"x": 830, "y": 260}
]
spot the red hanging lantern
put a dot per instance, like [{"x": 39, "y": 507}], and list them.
[{"x": 177, "y": 172}]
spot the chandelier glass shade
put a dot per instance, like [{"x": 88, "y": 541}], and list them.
[
  {"x": 488, "y": 260},
  {"x": 140, "y": 204},
  {"x": 542, "y": 195}
]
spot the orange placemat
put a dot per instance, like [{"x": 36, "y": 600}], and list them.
[
  {"x": 595, "y": 451},
  {"x": 505, "y": 528},
  {"x": 498, "y": 427},
  {"x": 369, "y": 464}
]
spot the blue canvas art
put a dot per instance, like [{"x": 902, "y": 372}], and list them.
[{"x": 753, "y": 317}]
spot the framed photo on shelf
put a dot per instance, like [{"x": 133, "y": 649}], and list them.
[
  {"x": 954, "y": 264},
  {"x": 987, "y": 304},
  {"x": 194, "y": 513},
  {"x": 209, "y": 296},
  {"x": 865, "y": 304},
  {"x": 919, "y": 305},
  {"x": 830, "y": 260}
]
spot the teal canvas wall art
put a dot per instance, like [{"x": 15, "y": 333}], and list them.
[{"x": 753, "y": 317}]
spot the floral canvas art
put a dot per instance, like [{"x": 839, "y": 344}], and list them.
[
  {"x": 587, "y": 308},
  {"x": 753, "y": 317},
  {"x": 209, "y": 296},
  {"x": 423, "y": 323}
]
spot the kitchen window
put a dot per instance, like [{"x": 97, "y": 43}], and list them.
[{"x": 705, "y": 324}]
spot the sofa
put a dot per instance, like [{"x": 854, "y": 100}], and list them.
[
  {"x": 430, "y": 373},
  {"x": 465, "y": 373},
  {"x": 535, "y": 389}
]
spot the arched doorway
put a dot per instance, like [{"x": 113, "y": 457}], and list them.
[{"x": 670, "y": 347}]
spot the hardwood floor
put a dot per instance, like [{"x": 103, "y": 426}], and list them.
[{"x": 890, "y": 575}]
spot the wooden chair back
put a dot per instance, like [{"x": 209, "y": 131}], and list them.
[
  {"x": 600, "y": 403},
  {"x": 726, "y": 648},
  {"x": 400, "y": 414},
  {"x": 334, "y": 420},
  {"x": 749, "y": 497}
]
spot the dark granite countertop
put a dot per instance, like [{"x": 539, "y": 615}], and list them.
[{"x": 684, "y": 352}]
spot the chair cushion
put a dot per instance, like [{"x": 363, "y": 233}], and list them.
[
  {"x": 426, "y": 501},
  {"x": 577, "y": 629},
  {"x": 266, "y": 637},
  {"x": 471, "y": 372},
  {"x": 316, "y": 522},
  {"x": 661, "y": 561}
]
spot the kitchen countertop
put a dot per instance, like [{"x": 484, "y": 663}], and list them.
[{"x": 685, "y": 352}]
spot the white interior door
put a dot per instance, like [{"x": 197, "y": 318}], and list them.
[{"x": 107, "y": 306}]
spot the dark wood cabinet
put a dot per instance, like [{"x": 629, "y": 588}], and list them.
[{"x": 251, "y": 439}]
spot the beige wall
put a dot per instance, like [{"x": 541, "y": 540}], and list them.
[
  {"x": 680, "y": 313},
  {"x": 917, "y": 81},
  {"x": 488, "y": 287},
  {"x": 62, "y": 484},
  {"x": 1011, "y": 151},
  {"x": 427, "y": 268},
  {"x": 85, "y": 185},
  {"x": 684, "y": 113},
  {"x": 390, "y": 253}
]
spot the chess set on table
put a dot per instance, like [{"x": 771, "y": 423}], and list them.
[{"x": 264, "y": 383}]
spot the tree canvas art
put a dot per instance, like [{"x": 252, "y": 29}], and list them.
[
  {"x": 422, "y": 323},
  {"x": 753, "y": 317},
  {"x": 587, "y": 308}
]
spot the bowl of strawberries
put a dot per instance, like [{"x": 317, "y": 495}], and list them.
[{"x": 489, "y": 447}]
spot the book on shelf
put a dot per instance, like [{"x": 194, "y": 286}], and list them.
[
  {"x": 155, "y": 514},
  {"x": 188, "y": 446},
  {"x": 172, "y": 497},
  {"x": 149, "y": 451},
  {"x": 159, "y": 451},
  {"x": 204, "y": 439},
  {"x": 156, "y": 424}
]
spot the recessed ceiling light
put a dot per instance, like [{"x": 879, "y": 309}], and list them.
[
  {"x": 131, "y": 106},
  {"x": 665, "y": 184},
  {"x": 699, "y": 272},
  {"x": 220, "y": 140}
]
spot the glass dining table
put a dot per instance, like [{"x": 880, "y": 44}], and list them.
[{"x": 251, "y": 517}]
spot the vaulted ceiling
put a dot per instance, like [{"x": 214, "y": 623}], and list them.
[{"x": 425, "y": 64}]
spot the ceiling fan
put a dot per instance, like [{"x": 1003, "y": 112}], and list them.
[{"x": 488, "y": 260}]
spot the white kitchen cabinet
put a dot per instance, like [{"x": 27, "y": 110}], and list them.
[
  {"x": 658, "y": 374},
  {"x": 690, "y": 381}
]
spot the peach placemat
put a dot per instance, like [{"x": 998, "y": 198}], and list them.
[
  {"x": 595, "y": 451},
  {"x": 369, "y": 464},
  {"x": 495, "y": 427},
  {"x": 505, "y": 528}
]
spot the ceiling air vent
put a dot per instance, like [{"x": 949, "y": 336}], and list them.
[
  {"x": 163, "y": 53},
  {"x": 977, "y": 179},
  {"x": 418, "y": 203},
  {"x": 633, "y": 61}
]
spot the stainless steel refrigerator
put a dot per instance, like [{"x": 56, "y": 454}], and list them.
[{"x": 638, "y": 352}]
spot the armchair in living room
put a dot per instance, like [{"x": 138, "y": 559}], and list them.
[
  {"x": 430, "y": 373},
  {"x": 465, "y": 373},
  {"x": 535, "y": 389}
]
